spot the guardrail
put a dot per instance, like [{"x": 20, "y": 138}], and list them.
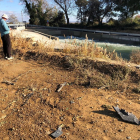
[
  {"x": 85, "y": 30},
  {"x": 19, "y": 26},
  {"x": 16, "y": 25}
]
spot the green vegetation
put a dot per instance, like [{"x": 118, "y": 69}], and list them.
[
  {"x": 90, "y": 13},
  {"x": 42, "y": 14}
]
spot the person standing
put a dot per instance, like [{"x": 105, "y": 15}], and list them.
[{"x": 5, "y": 37}]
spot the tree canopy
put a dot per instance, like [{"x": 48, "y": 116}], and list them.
[
  {"x": 40, "y": 12},
  {"x": 88, "y": 11}
]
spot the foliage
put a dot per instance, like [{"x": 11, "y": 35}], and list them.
[
  {"x": 92, "y": 11},
  {"x": 58, "y": 20},
  {"x": 89, "y": 12},
  {"x": 127, "y": 8},
  {"x": 82, "y": 9},
  {"x": 137, "y": 19},
  {"x": 100, "y": 9},
  {"x": 39, "y": 12}
]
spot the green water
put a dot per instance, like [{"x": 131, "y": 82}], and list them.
[{"x": 122, "y": 50}]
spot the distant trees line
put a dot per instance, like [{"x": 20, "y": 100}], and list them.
[{"x": 89, "y": 12}]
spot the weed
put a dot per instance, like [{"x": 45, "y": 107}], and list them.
[{"x": 135, "y": 57}]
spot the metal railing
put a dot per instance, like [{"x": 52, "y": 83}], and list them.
[{"x": 16, "y": 25}]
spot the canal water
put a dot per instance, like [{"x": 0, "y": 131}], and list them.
[{"x": 123, "y": 50}]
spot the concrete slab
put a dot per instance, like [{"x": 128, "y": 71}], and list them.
[{"x": 36, "y": 37}]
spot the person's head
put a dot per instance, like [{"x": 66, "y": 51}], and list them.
[{"x": 4, "y": 16}]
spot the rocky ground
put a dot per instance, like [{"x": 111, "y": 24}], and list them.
[{"x": 31, "y": 109}]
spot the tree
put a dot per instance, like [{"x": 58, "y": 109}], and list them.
[
  {"x": 127, "y": 8},
  {"x": 39, "y": 11},
  {"x": 31, "y": 10},
  {"x": 99, "y": 9},
  {"x": 82, "y": 8},
  {"x": 12, "y": 19},
  {"x": 66, "y": 6},
  {"x": 58, "y": 20}
]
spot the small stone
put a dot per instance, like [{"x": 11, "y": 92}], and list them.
[
  {"x": 72, "y": 102},
  {"x": 128, "y": 137},
  {"x": 79, "y": 98},
  {"x": 49, "y": 91},
  {"x": 48, "y": 132},
  {"x": 120, "y": 130},
  {"x": 61, "y": 118},
  {"x": 105, "y": 131}
]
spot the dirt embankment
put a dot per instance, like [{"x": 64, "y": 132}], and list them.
[{"x": 32, "y": 109}]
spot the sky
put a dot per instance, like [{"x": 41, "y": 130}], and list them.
[
  {"x": 17, "y": 8},
  {"x": 13, "y": 7}
]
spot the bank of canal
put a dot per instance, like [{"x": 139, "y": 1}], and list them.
[{"x": 123, "y": 50}]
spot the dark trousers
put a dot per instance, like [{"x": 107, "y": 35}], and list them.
[{"x": 6, "y": 45}]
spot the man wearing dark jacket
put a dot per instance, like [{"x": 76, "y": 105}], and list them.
[{"x": 5, "y": 37}]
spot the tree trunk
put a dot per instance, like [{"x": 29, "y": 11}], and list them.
[
  {"x": 88, "y": 20},
  {"x": 100, "y": 21},
  {"x": 67, "y": 18}
]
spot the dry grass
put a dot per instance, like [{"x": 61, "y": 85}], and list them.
[
  {"x": 84, "y": 49},
  {"x": 135, "y": 57},
  {"x": 102, "y": 75},
  {"x": 89, "y": 49},
  {"x": 88, "y": 71}
]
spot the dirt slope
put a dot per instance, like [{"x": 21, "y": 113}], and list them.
[{"x": 30, "y": 109}]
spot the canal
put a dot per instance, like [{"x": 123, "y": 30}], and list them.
[{"x": 123, "y": 50}]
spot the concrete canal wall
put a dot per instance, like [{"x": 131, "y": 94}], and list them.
[{"x": 114, "y": 37}]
